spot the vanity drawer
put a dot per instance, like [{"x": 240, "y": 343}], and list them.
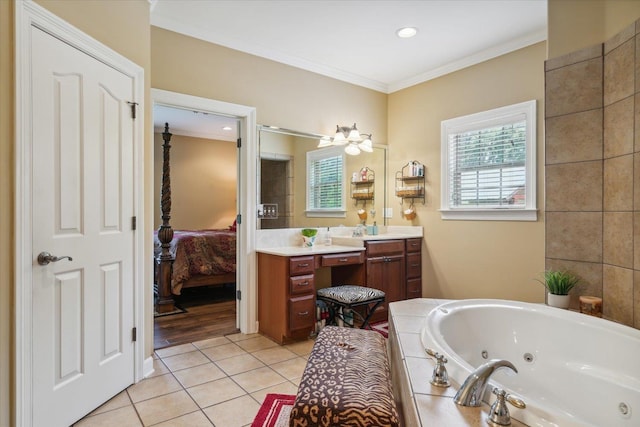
[
  {"x": 414, "y": 245},
  {"x": 414, "y": 288},
  {"x": 414, "y": 265},
  {"x": 301, "y": 284},
  {"x": 332, "y": 260},
  {"x": 302, "y": 312},
  {"x": 301, "y": 265},
  {"x": 384, "y": 247}
]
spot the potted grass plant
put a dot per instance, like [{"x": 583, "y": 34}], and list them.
[
  {"x": 558, "y": 285},
  {"x": 308, "y": 237}
]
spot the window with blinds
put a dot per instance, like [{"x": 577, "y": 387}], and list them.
[
  {"x": 488, "y": 164},
  {"x": 325, "y": 182}
]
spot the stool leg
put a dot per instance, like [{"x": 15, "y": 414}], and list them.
[{"x": 369, "y": 313}]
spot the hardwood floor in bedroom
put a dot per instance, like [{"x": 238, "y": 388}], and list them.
[{"x": 210, "y": 312}]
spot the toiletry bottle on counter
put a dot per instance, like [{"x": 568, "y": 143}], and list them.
[
  {"x": 375, "y": 228},
  {"x": 327, "y": 238}
]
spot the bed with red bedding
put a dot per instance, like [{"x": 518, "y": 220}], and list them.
[{"x": 201, "y": 257}]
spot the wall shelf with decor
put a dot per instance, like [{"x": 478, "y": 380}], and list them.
[
  {"x": 410, "y": 182},
  {"x": 363, "y": 185}
]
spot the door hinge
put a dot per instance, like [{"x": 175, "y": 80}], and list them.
[
  {"x": 134, "y": 334},
  {"x": 134, "y": 222},
  {"x": 133, "y": 108},
  {"x": 239, "y": 219},
  {"x": 239, "y": 142},
  {"x": 238, "y": 294}
]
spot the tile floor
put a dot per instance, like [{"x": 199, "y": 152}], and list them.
[{"x": 217, "y": 382}]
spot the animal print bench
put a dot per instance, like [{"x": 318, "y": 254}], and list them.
[{"x": 346, "y": 382}]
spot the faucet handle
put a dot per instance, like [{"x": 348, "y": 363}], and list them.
[
  {"x": 499, "y": 412},
  {"x": 440, "y": 377}
]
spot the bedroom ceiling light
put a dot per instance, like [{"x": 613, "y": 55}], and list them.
[
  {"x": 351, "y": 138},
  {"x": 407, "y": 32}
]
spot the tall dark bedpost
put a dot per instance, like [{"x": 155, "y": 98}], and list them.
[{"x": 165, "y": 301}]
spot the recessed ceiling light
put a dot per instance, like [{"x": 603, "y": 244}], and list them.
[
  {"x": 226, "y": 128},
  {"x": 407, "y": 32}
]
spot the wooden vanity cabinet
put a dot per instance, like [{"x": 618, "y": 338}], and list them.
[
  {"x": 385, "y": 270},
  {"x": 414, "y": 268},
  {"x": 286, "y": 296}
]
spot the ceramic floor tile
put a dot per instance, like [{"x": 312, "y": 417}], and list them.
[
  {"x": 165, "y": 407},
  {"x": 153, "y": 387},
  {"x": 256, "y": 343},
  {"x": 159, "y": 368},
  {"x": 118, "y": 401},
  {"x": 194, "y": 419},
  {"x": 274, "y": 355},
  {"x": 212, "y": 342},
  {"x": 233, "y": 413},
  {"x": 258, "y": 379},
  {"x": 172, "y": 351},
  {"x": 301, "y": 348},
  {"x": 199, "y": 374},
  {"x": 121, "y": 417},
  {"x": 241, "y": 336},
  {"x": 290, "y": 368},
  {"x": 223, "y": 352},
  {"x": 185, "y": 360},
  {"x": 215, "y": 392},
  {"x": 238, "y": 364},
  {"x": 282, "y": 388}
]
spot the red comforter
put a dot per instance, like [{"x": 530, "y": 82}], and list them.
[{"x": 200, "y": 252}]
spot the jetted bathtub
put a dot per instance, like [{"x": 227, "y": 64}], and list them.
[{"x": 573, "y": 369}]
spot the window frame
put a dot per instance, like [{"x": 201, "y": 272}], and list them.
[
  {"x": 321, "y": 154},
  {"x": 483, "y": 120}
]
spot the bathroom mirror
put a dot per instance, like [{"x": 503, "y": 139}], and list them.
[{"x": 282, "y": 182}]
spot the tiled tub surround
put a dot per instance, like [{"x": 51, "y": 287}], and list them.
[
  {"x": 592, "y": 172},
  {"x": 595, "y": 374}
]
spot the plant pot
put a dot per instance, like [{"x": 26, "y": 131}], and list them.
[
  {"x": 308, "y": 242},
  {"x": 559, "y": 301}
]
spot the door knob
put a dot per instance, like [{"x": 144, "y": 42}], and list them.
[{"x": 45, "y": 258}]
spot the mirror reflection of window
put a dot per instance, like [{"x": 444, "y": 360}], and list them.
[{"x": 282, "y": 180}]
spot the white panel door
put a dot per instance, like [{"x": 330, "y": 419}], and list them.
[{"x": 82, "y": 131}]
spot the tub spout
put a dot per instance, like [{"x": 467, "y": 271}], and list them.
[{"x": 473, "y": 388}]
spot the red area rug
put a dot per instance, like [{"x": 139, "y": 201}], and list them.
[
  {"x": 275, "y": 411},
  {"x": 381, "y": 327}
]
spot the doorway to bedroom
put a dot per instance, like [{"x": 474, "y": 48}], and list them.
[{"x": 203, "y": 171}]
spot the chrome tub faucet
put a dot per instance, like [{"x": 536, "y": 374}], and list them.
[{"x": 473, "y": 388}]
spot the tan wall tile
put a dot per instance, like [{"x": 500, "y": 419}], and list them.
[
  {"x": 618, "y": 183},
  {"x": 636, "y": 299},
  {"x": 574, "y": 88},
  {"x": 636, "y": 240},
  {"x": 636, "y": 181},
  {"x": 574, "y": 236},
  {"x": 619, "y": 128},
  {"x": 638, "y": 60},
  {"x": 574, "y": 186},
  {"x": 581, "y": 55},
  {"x": 619, "y": 73},
  {"x": 574, "y": 137},
  {"x": 637, "y": 121},
  {"x": 622, "y": 37},
  {"x": 617, "y": 239},
  {"x": 617, "y": 289}
]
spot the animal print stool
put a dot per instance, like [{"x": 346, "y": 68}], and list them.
[
  {"x": 341, "y": 297},
  {"x": 346, "y": 382}
]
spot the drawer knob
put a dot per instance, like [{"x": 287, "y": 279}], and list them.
[
  {"x": 303, "y": 313},
  {"x": 344, "y": 259},
  {"x": 306, "y": 264}
]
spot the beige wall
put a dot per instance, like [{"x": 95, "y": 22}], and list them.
[
  {"x": 203, "y": 182},
  {"x": 470, "y": 259},
  {"x": 576, "y": 24},
  {"x": 283, "y": 96}
]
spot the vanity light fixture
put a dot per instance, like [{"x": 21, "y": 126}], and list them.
[{"x": 351, "y": 138}]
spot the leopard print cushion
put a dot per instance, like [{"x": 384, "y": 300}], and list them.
[{"x": 346, "y": 382}]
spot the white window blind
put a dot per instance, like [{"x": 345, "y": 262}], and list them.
[
  {"x": 488, "y": 164},
  {"x": 325, "y": 181}
]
